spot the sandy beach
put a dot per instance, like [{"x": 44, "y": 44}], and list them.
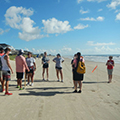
[{"x": 52, "y": 100}]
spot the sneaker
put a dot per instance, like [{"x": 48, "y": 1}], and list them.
[
  {"x": 47, "y": 79},
  {"x": 31, "y": 84},
  {"x": 75, "y": 91},
  {"x": 18, "y": 86},
  {"x": 28, "y": 84},
  {"x": 3, "y": 90},
  {"x": 61, "y": 80},
  {"x": 21, "y": 89},
  {"x": 43, "y": 79},
  {"x": 79, "y": 91},
  {"x": 58, "y": 80},
  {"x": 7, "y": 93}
]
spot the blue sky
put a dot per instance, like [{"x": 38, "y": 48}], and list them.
[{"x": 61, "y": 26}]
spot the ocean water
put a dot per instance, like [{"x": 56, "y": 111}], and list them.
[{"x": 100, "y": 58}]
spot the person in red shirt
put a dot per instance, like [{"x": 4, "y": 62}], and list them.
[
  {"x": 110, "y": 66},
  {"x": 1, "y": 51},
  {"x": 1, "y": 54}
]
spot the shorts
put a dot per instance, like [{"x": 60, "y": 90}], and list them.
[
  {"x": 110, "y": 71},
  {"x": 0, "y": 73},
  {"x": 77, "y": 76},
  {"x": 20, "y": 75},
  {"x": 31, "y": 70},
  {"x": 45, "y": 65},
  {"x": 58, "y": 68},
  {"x": 6, "y": 75}
]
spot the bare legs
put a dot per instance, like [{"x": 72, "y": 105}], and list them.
[
  {"x": 30, "y": 76},
  {"x": 61, "y": 74},
  {"x": 110, "y": 78},
  {"x": 7, "y": 85},
  {"x": 80, "y": 85},
  {"x": 47, "y": 71}
]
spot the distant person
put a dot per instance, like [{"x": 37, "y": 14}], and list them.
[
  {"x": 1, "y": 51},
  {"x": 6, "y": 67},
  {"x": 1, "y": 54},
  {"x": 110, "y": 65},
  {"x": 21, "y": 65},
  {"x": 32, "y": 67},
  {"x": 45, "y": 62},
  {"x": 73, "y": 66},
  {"x": 78, "y": 78},
  {"x": 59, "y": 60}
]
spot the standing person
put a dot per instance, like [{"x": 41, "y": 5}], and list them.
[
  {"x": 21, "y": 65},
  {"x": 1, "y": 54},
  {"x": 78, "y": 78},
  {"x": 45, "y": 62},
  {"x": 1, "y": 51},
  {"x": 73, "y": 67},
  {"x": 59, "y": 60},
  {"x": 6, "y": 67},
  {"x": 110, "y": 66},
  {"x": 32, "y": 67}
]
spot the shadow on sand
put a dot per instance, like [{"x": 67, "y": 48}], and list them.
[
  {"x": 34, "y": 93},
  {"x": 94, "y": 82}
]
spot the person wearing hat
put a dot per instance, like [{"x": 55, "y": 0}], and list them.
[
  {"x": 59, "y": 60},
  {"x": 21, "y": 66}
]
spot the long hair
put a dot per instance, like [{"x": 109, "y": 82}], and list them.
[{"x": 78, "y": 58}]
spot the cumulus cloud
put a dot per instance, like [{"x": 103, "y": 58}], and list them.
[
  {"x": 2, "y": 31},
  {"x": 80, "y": 26},
  {"x": 79, "y": 1},
  {"x": 93, "y": 19},
  {"x": 100, "y": 10},
  {"x": 53, "y": 25},
  {"x": 96, "y": 1},
  {"x": 114, "y": 4},
  {"x": 82, "y": 11},
  {"x": 118, "y": 16},
  {"x": 91, "y": 43},
  {"x": 18, "y": 18}
]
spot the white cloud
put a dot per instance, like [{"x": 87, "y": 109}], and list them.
[
  {"x": 114, "y": 4},
  {"x": 96, "y": 1},
  {"x": 80, "y": 26},
  {"x": 117, "y": 11},
  {"x": 7, "y": 1},
  {"x": 100, "y": 10},
  {"x": 79, "y": 1},
  {"x": 18, "y": 18},
  {"x": 91, "y": 43},
  {"x": 118, "y": 16},
  {"x": 66, "y": 49},
  {"x": 55, "y": 26},
  {"x": 93, "y": 19},
  {"x": 2, "y": 31},
  {"x": 82, "y": 11}
]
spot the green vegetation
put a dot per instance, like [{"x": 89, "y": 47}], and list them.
[{"x": 12, "y": 57}]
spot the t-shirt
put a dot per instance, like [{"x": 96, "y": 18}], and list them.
[
  {"x": 75, "y": 61},
  {"x": 21, "y": 64},
  {"x": 45, "y": 59},
  {"x": 1, "y": 54},
  {"x": 30, "y": 61},
  {"x": 110, "y": 66},
  {"x": 58, "y": 61},
  {"x": 0, "y": 64}
]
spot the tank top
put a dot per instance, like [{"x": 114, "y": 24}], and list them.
[{"x": 4, "y": 64}]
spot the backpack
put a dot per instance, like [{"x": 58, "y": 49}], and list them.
[
  {"x": 81, "y": 69},
  {"x": 0, "y": 64}
]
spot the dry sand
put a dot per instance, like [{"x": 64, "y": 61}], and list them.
[{"x": 55, "y": 101}]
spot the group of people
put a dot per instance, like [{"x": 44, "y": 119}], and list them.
[{"x": 27, "y": 66}]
